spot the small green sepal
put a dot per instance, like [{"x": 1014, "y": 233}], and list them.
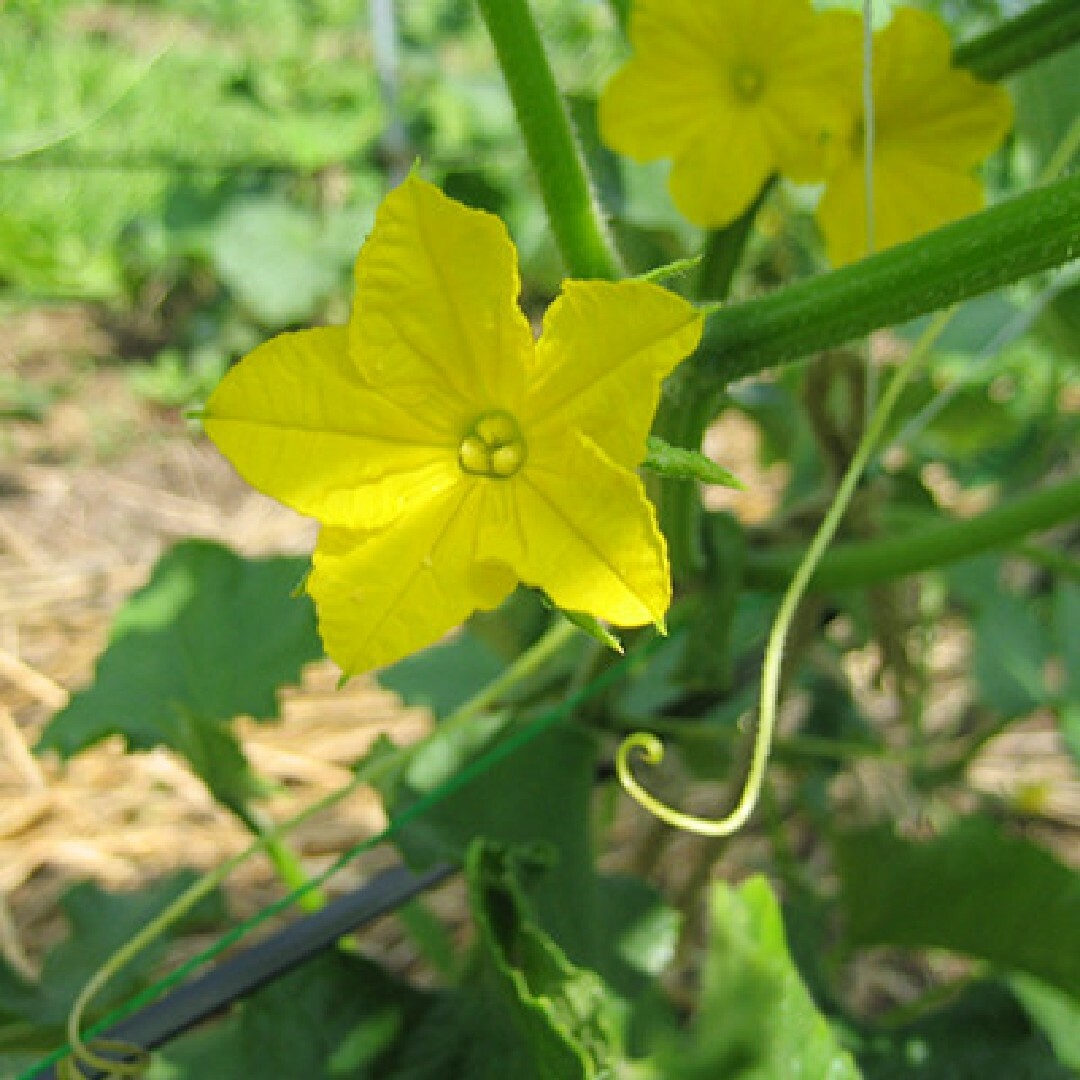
[
  {"x": 679, "y": 463},
  {"x": 669, "y": 270},
  {"x": 594, "y": 628}
]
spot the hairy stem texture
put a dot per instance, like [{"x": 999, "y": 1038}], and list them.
[{"x": 1036, "y": 231}]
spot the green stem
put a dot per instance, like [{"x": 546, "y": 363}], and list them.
[
  {"x": 724, "y": 249},
  {"x": 1038, "y": 33},
  {"x": 857, "y": 565},
  {"x": 549, "y": 141},
  {"x": 285, "y": 860},
  {"x": 686, "y": 410},
  {"x": 1036, "y": 231},
  {"x": 523, "y": 668}
]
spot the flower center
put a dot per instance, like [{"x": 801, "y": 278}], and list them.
[
  {"x": 493, "y": 446},
  {"x": 748, "y": 82}
]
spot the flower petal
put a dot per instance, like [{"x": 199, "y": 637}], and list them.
[
  {"x": 603, "y": 352},
  {"x": 672, "y": 86},
  {"x": 911, "y": 197},
  {"x": 715, "y": 178},
  {"x": 646, "y": 115},
  {"x": 684, "y": 95},
  {"x": 933, "y": 125},
  {"x": 579, "y": 527},
  {"x": 382, "y": 596},
  {"x": 436, "y": 323},
  {"x": 939, "y": 113},
  {"x": 809, "y": 79},
  {"x": 296, "y": 421}
]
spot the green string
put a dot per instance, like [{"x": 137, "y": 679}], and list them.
[{"x": 532, "y": 730}]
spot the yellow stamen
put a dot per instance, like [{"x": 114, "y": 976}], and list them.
[
  {"x": 748, "y": 82},
  {"x": 493, "y": 446}
]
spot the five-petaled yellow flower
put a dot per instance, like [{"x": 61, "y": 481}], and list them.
[
  {"x": 732, "y": 91},
  {"x": 448, "y": 455},
  {"x": 932, "y": 125}
]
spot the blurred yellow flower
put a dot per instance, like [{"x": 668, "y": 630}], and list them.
[
  {"x": 731, "y": 91},
  {"x": 446, "y": 453},
  {"x": 932, "y": 125}
]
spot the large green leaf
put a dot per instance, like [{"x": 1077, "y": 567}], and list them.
[
  {"x": 973, "y": 890},
  {"x": 564, "y": 1014},
  {"x": 338, "y": 1016},
  {"x": 756, "y": 1020},
  {"x": 539, "y": 793},
  {"x": 210, "y": 637},
  {"x": 466, "y": 1035},
  {"x": 982, "y": 1036},
  {"x": 444, "y": 676}
]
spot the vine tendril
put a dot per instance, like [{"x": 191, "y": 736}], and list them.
[
  {"x": 135, "y": 1062},
  {"x": 650, "y": 747}
]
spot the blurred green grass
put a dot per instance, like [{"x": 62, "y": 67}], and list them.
[{"x": 110, "y": 111}]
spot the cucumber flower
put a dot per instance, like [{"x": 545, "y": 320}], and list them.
[
  {"x": 449, "y": 456},
  {"x": 731, "y": 91},
  {"x": 932, "y": 125}
]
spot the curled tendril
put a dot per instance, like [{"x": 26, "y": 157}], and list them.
[
  {"x": 651, "y": 751},
  {"x": 132, "y": 1062}
]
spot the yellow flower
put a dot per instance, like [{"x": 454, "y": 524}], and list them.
[
  {"x": 932, "y": 125},
  {"x": 446, "y": 453},
  {"x": 732, "y": 91}
]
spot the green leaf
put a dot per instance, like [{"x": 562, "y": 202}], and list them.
[
  {"x": 642, "y": 930},
  {"x": 681, "y": 464},
  {"x": 1047, "y": 101},
  {"x": 982, "y": 1036},
  {"x": 443, "y": 677},
  {"x": 1070, "y": 726},
  {"x": 511, "y": 802},
  {"x": 1011, "y": 650},
  {"x": 1067, "y": 634},
  {"x": 210, "y": 637},
  {"x": 276, "y": 258},
  {"x": 337, "y": 1016},
  {"x": 564, "y": 1014},
  {"x": 756, "y": 1020},
  {"x": 465, "y": 1035},
  {"x": 973, "y": 890},
  {"x": 100, "y": 923},
  {"x": 1056, "y": 1014}
]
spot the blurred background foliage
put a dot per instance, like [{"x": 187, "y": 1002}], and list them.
[{"x": 206, "y": 171}]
